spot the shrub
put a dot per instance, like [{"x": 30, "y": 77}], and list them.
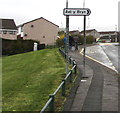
[
  {"x": 60, "y": 42},
  {"x": 89, "y": 39},
  {"x": 11, "y": 47},
  {"x": 81, "y": 39}
]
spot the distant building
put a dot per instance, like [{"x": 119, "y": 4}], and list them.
[
  {"x": 39, "y": 29},
  {"x": 8, "y": 29},
  {"x": 75, "y": 32},
  {"x": 109, "y": 36},
  {"x": 92, "y": 32}
]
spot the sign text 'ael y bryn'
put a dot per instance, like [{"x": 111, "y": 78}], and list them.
[{"x": 76, "y": 12}]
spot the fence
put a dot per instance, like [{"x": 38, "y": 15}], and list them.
[{"x": 50, "y": 103}]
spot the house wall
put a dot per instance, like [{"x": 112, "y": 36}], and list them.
[
  {"x": 41, "y": 30},
  {"x": 8, "y": 35},
  {"x": 108, "y": 34},
  {"x": 95, "y": 34}
]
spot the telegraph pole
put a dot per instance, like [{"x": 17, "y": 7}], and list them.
[{"x": 67, "y": 40}]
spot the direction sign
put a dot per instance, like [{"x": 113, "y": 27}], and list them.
[{"x": 76, "y": 12}]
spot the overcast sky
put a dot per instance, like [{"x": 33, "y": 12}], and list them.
[{"x": 104, "y": 13}]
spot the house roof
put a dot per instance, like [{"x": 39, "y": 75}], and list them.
[
  {"x": 88, "y": 31},
  {"x": 107, "y": 32},
  {"x": 74, "y": 31},
  {"x": 8, "y": 24},
  {"x": 107, "y": 37},
  {"x": 38, "y": 19}
]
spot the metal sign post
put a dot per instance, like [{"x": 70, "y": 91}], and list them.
[
  {"x": 75, "y": 12},
  {"x": 67, "y": 40},
  {"x": 84, "y": 44}
]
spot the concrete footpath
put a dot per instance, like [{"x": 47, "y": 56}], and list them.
[{"x": 97, "y": 91}]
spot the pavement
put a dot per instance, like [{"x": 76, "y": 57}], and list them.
[{"x": 97, "y": 90}]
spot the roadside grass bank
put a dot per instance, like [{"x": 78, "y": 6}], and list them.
[{"x": 29, "y": 78}]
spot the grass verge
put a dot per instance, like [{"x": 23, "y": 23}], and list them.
[{"x": 28, "y": 79}]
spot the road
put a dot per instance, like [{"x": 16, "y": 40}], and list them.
[
  {"x": 112, "y": 51},
  {"x": 107, "y": 53}
]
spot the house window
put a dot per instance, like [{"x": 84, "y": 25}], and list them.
[
  {"x": 43, "y": 36},
  {"x": 25, "y": 35},
  {"x": 32, "y": 26},
  {"x": 4, "y": 32},
  {"x": 12, "y": 32}
]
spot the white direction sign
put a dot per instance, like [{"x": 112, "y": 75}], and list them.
[{"x": 76, "y": 12}]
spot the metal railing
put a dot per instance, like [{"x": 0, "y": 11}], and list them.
[{"x": 51, "y": 102}]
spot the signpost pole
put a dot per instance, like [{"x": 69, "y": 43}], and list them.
[
  {"x": 67, "y": 41},
  {"x": 75, "y": 12},
  {"x": 84, "y": 44}
]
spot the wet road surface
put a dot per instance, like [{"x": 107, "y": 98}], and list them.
[{"x": 107, "y": 53}]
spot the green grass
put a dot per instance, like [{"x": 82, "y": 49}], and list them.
[{"x": 28, "y": 79}]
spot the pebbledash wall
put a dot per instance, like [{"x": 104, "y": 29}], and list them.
[{"x": 41, "y": 30}]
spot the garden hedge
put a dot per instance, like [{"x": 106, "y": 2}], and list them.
[{"x": 11, "y": 47}]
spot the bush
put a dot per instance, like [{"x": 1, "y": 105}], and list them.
[
  {"x": 60, "y": 42},
  {"x": 89, "y": 39},
  {"x": 11, "y": 47},
  {"x": 81, "y": 39}
]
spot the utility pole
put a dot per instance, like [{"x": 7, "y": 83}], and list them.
[
  {"x": 115, "y": 33},
  {"x": 119, "y": 22},
  {"x": 83, "y": 3},
  {"x": 67, "y": 40}
]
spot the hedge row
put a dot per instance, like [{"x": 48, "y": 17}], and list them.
[
  {"x": 89, "y": 40},
  {"x": 11, "y": 47}
]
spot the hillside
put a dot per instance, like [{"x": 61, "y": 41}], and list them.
[{"x": 28, "y": 79}]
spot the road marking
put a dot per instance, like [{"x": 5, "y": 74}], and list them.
[{"x": 81, "y": 52}]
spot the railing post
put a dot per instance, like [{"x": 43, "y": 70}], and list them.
[
  {"x": 70, "y": 76},
  {"x": 63, "y": 87},
  {"x": 75, "y": 69},
  {"x": 52, "y": 109},
  {"x": 73, "y": 62},
  {"x": 69, "y": 60}
]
